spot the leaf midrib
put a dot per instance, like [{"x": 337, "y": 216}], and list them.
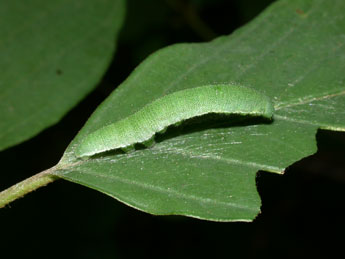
[{"x": 309, "y": 99}]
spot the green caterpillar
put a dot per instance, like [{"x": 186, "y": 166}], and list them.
[{"x": 174, "y": 108}]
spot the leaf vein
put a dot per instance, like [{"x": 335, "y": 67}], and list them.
[{"x": 169, "y": 191}]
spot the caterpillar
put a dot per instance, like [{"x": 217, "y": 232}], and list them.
[{"x": 172, "y": 109}]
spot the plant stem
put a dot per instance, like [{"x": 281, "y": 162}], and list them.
[
  {"x": 192, "y": 18},
  {"x": 28, "y": 185}
]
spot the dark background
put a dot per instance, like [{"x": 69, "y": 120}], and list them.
[{"x": 302, "y": 211}]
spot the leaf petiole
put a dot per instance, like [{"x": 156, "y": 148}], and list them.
[{"x": 28, "y": 185}]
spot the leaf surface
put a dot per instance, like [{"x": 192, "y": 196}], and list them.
[
  {"x": 293, "y": 52},
  {"x": 52, "y": 53}
]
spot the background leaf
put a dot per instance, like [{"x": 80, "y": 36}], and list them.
[
  {"x": 51, "y": 55},
  {"x": 292, "y": 52}
]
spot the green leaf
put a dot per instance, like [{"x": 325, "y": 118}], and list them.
[
  {"x": 52, "y": 53},
  {"x": 293, "y": 52}
]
